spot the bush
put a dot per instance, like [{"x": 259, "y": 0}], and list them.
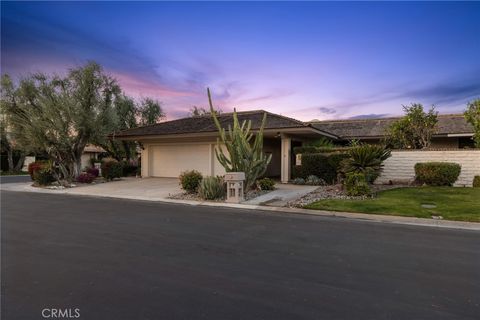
[
  {"x": 129, "y": 169},
  {"x": 299, "y": 181},
  {"x": 111, "y": 169},
  {"x": 266, "y": 184},
  {"x": 93, "y": 171},
  {"x": 43, "y": 177},
  {"x": 314, "y": 181},
  {"x": 211, "y": 188},
  {"x": 367, "y": 159},
  {"x": 190, "y": 180},
  {"x": 86, "y": 177},
  {"x": 323, "y": 165},
  {"x": 37, "y": 165},
  {"x": 356, "y": 184},
  {"x": 476, "y": 182},
  {"x": 437, "y": 173}
]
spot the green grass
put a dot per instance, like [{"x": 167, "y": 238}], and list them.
[
  {"x": 13, "y": 173},
  {"x": 451, "y": 203}
]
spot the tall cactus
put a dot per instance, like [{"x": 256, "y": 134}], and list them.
[{"x": 243, "y": 155}]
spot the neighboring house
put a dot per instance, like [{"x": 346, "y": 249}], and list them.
[
  {"x": 91, "y": 152},
  {"x": 185, "y": 144},
  {"x": 452, "y": 130}
]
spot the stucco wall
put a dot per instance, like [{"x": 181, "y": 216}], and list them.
[{"x": 400, "y": 166}]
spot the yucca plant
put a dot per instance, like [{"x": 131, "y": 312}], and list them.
[
  {"x": 367, "y": 159},
  {"x": 243, "y": 154}
]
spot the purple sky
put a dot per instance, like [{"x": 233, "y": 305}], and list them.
[{"x": 305, "y": 60}]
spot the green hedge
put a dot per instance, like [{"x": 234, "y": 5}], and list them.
[
  {"x": 323, "y": 165},
  {"x": 437, "y": 173}
]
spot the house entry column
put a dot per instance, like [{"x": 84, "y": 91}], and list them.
[{"x": 286, "y": 159}]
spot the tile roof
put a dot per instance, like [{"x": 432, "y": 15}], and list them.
[
  {"x": 373, "y": 128},
  {"x": 203, "y": 124}
]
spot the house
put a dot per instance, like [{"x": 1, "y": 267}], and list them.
[
  {"x": 90, "y": 152},
  {"x": 452, "y": 130},
  {"x": 189, "y": 143}
]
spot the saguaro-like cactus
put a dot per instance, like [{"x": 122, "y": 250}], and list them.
[{"x": 243, "y": 155}]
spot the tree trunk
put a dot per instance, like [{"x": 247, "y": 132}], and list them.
[
  {"x": 10, "y": 159},
  {"x": 19, "y": 164}
]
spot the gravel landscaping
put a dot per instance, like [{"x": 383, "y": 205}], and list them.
[
  {"x": 194, "y": 196},
  {"x": 334, "y": 192}
]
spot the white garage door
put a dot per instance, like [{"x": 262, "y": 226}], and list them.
[{"x": 171, "y": 160}]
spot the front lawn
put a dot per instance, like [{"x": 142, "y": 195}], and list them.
[{"x": 450, "y": 203}]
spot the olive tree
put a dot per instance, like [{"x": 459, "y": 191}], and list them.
[{"x": 60, "y": 115}]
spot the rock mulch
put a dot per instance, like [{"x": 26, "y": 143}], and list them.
[
  {"x": 334, "y": 192},
  {"x": 194, "y": 196}
]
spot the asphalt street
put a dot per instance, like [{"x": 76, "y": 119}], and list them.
[
  {"x": 122, "y": 259},
  {"x": 14, "y": 179}
]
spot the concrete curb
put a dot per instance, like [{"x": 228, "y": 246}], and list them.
[{"x": 350, "y": 215}]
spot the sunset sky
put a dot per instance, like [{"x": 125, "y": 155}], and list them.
[{"x": 310, "y": 60}]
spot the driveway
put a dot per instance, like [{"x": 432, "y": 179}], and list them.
[
  {"x": 146, "y": 188},
  {"x": 122, "y": 259}
]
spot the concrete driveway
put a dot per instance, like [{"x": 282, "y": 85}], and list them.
[{"x": 152, "y": 188}]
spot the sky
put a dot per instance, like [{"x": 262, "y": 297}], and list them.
[{"x": 306, "y": 60}]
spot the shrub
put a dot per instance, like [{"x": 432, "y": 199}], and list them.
[
  {"x": 190, "y": 180},
  {"x": 322, "y": 165},
  {"x": 299, "y": 181},
  {"x": 266, "y": 184},
  {"x": 315, "y": 181},
  {"x": 356, "y": 184},
  {"x": 129, "y": 169},
  {"x": 367, "y": 159},
  {"x": 437, "y": 173},
  {"x": 476, "y": 182},
  {"x": 86, "y": 177},
  {"x": 111, "y": 169},
  {"x": 37, "y": 165},
  {"x": 211, "y": 188},
  {"x": 93, "y": 171},
  {"x": 43, "y": 177}
]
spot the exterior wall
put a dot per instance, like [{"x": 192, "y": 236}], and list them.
[
  {"x": 400, "y": 166},
  {"x": 446, "y": 142},
  {"x": 214, "y": 167}
]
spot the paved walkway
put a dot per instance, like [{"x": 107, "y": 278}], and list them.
[{"x": 281, "y": 195}]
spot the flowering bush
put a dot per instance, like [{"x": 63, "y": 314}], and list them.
[
  {"x": 85, "y": 177},
  {"x": 93, "y": 171},
  {"x": 37, "y": 165}
]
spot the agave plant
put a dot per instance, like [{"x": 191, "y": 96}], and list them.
[
  {"x": 243, "y": 154},
  {"x": 367, "y": 159}
]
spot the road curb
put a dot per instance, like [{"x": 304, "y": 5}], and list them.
[{"x": 335, "y": 214}]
